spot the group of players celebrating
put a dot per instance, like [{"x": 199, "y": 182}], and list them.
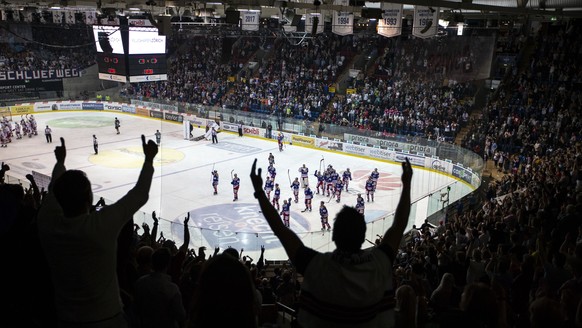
[
  {"x": 329, "y": 184},
  {"x": 27, "y": 127}
]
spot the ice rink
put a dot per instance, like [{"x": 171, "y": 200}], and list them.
[{"x": 182, "y": 179}]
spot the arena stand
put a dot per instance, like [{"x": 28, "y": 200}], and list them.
[{"x": 519, "y": 247}]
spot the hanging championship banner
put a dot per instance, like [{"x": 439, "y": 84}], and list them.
[
  {"x": 57, "y": 17},
  {"x": 343, "y": 21},
  {"x": 28, "y": 16},
  {"x": 425, "y": 23},
  {"x": 250, "y": 20},
  {"x": 70, "y": 17},
  {"x": 309, "y": 21},
  {"x": 391, "y": 22},
  {"x": 90, "y": 18}
]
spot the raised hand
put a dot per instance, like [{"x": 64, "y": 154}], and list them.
[
  {"x": 154, "y": 217},
  {"x": 150, "y": 149},
  {"x": 187, "y": 219},
  {"x": 5, "y": 167},
  {"x": 61, "y": 151},
  {"x": 406, "y": 172},
  {"x": 256, "y": 177},
  {"x": 262, "y": 248}
]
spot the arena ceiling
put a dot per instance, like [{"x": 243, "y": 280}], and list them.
[{"x": 475, "y": 8}]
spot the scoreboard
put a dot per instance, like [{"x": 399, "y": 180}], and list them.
[{"x": 130, "y": 53}]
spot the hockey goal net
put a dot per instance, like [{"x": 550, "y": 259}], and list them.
[{"x": 5, "y": 113}]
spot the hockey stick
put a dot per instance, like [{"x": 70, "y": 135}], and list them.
[
  {"x": 321, "y": 160},
  {"x": 289, "y": 176},
  {"x": 331, "y": 195},
  {"x": 231, "y": 177}
]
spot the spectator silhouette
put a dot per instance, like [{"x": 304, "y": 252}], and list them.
[
  {"x": 158, "y": 302},
  {"x": 81, "y": 246},
  {"x": 348, "y": 287},
  {"x": 225, "y": 296}
]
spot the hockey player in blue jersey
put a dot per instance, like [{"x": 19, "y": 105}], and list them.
[
  {"x": 304, "y": 176},
  {"x": 375, "y": 175},
  {"x": 308, "y": 198},
  {"x": 324, "y": 217},
  {"x": 347, "y": 177},
  {"x": 271, "y": 159},
  {"x": 320, "y": 181},
  {"x": 370, "y": 189},
  {"x": 295, "y": 186},
  {"x": 360, "y": 204},
  {"x": 328, "y": 183},
  {"x": 286, "y": 212},
  {"x": 276, "y": 196},
  {"x": 268, "y": 187},
  {"x": 339, "y": 186},
  {"x": 235, "y": 185},
  {"x": 272, "y": 172},
  {"x": 215, "y": 181},
  {"x": 280, "y": 139}
]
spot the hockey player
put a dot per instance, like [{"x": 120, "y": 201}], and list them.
[
  {"x": 280, "y": 138},
  {"x": 320, "y": 181},
  {"x": 268, "y": 187},
  {"x": 370, "y": 189},
  {"x": 324, "y": 217},
  {"x": 339, "y": 186},
  {"x": 276, "y": 196},
  {"x": 304, "y": 176},
  {"x": 285, "y": 212},
  {"x": 215, "y": 181},
  {"x": 295, "y": 186},
  {"x": 32, "y": 122},
  {"x": 347, "y": 177},
  {"x": 17, "y": 130},
  {"x": 272, "y": 172},
  {"x": 95, "y": 144},
  {"x": 308, "y": 198},
  {"x": 271, "y": 159},
  {"x": 117, "y": 125},
  {"x": 3, "y": 139},
  {"x": 375, "y": 175},
  {"x": 158, "y": 135},
  {"x": 235, "y": 184},
  {"x": 328, "y": 183},
  {"x": 360, "y": 204}
]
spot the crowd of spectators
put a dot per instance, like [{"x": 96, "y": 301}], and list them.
[
  {"x": 295, "y": 80},
  {"x": 196, "y": 72},
  {"x": 405, "y": 94},
  {"x": 50, "y": 48}
]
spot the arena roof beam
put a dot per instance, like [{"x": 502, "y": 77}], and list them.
[{"x": 577, "y": 12}]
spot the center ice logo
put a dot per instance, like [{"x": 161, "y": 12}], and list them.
[
  {"x": 387, "y": 181},
  {"x": 239, "y": 226}
]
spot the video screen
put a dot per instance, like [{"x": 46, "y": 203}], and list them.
[
  {"x": 145, "y": 40},
  {"x": 108, "y": 39}
]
